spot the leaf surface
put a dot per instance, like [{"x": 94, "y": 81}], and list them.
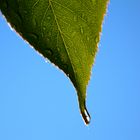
[{"x": 66, "y": 32}]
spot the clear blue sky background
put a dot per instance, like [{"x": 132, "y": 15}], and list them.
[{"x": 38, "y": 102}]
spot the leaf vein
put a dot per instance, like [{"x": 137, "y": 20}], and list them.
[
  {"x": 73, "y": 12},
  {"x": 63, "y": 39}
]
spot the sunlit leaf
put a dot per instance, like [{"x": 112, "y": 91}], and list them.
[{"x": 66, "y": 32}]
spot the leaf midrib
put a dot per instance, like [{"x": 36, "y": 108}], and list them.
[{"x": 61, "y": 34}]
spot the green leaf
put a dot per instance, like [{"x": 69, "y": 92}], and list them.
[{"x": 66, "y": 32}]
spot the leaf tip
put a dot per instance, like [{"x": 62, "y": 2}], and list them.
[{"x": 84, "y": 112}]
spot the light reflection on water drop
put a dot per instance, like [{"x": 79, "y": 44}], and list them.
[{"x": 86, "y": 116}]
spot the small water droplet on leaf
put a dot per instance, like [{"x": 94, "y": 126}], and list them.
[
  {"x": 87, "y": 38},
  {"x": 25, "y": 12},
  {"x": 44, "y": 28},
  {"x": 48, "y": 17},
  {"x": 50, "y": 33},
  {"x": 75, "y": 18},
  {"x": 81, "y": 30},
  {"x": 33, "y": 37},
  {"x": 49, "y": 52},
  {"x": 73, "y": 34},
  {"x": 97, "y": 39},
  {"x": 34, "y": 22}
]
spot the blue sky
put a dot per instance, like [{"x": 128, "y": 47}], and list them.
[{"x": 37, "y": 101}]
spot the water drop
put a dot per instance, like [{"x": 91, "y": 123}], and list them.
[
  {"x": 93, "y": 53},
  {"x": 20, "y": 33},
  {"x": 49, "y": 52},
  {"x": 58, "y": 49},
  {"x": 83, "y": 109},
  {"x": 14, "y": 26},
  {"x": 97, "y": 39},
  {"x": 33, "y": 36},
  {"x": 87, "y": 38},
  {"x": 65, "y": 66},
  {"x": 82, "y": 15},
  {"x": 75, "y": 18},
  {"x": 25, "y": 12},
  {"x": 44, "y": 28},
  {"x": 73, "y": 34},
  {"x": 48, "y": 17},
  {"x": 86, "y": 116},
  {"x": 47, "y": 39},
  {"x": 34, "y": 22},
  {"x": 81, "y": 29},
  {"x": 50, "y": 33},
  {"x": 75, "y": 51}
]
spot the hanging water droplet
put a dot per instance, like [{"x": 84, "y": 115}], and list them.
[
  {"x": 83, "y": 110},
  {"x": 97, "y": 39},
  {"x": 86, "y": 116}
]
